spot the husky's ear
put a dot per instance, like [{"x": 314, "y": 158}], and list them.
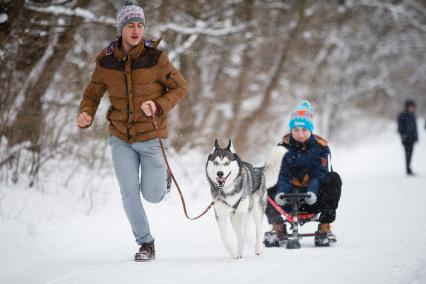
[
  {"x": 230, "y": 147},
  {"x": 216, "y": 145}
]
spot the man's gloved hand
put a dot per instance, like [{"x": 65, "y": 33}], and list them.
[
  {"x": 280, "y": 200},
  {"x": 311, "y": 199}
]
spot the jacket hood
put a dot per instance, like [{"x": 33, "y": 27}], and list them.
[
  {"x": 114, "y": 47},
  {"x": 289, "y": 142}
]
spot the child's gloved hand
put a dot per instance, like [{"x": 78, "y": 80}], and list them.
[
  {"x": 311, "y": 199},
  {"x": 280, "y": 200}
]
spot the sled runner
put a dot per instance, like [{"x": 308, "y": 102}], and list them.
[{"x": 296, "y": 219}]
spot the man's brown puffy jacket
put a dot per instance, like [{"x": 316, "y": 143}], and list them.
[{"x": 143, "y": 74}]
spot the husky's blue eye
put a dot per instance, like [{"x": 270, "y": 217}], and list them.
[
  {"x": 227, "y": 163},
  {"x": 216, "y": 163}
]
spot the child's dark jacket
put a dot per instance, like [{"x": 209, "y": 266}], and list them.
[{"x": 304, "y": 164}]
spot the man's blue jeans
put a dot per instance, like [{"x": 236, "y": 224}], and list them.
[{"x": 139, "y": 168}]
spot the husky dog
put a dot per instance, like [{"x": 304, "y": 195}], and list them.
[{"x": 239, "y": 190}]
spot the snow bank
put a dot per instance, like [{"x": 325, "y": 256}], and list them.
[{"x": 51, "y": 237}]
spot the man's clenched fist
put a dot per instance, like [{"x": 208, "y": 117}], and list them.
[{"x": 84, "y": 120}]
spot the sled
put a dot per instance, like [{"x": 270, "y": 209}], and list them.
[{"x": 296, "y": 219}]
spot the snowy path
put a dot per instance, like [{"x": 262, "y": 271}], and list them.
[{"x": 381, "y": 233}]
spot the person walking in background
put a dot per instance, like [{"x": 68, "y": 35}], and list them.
[
  {"x": 407, "y": 128},
  {"x": 141, "y": 82}
]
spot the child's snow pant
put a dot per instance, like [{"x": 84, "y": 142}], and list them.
[{"x": 328, "y": 201}]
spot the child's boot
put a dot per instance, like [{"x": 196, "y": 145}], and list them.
[
  {"x": 277, "y": 236},
  {"x": 324, "y": 236}
]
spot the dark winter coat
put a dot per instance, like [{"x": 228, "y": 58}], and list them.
[
  {"x": 304, "y": 164},
  {"x": 145, "y": 73},
  {"x": 407, "y": 127}
]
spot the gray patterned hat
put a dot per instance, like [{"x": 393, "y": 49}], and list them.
[{"x": 130, "y": 12}]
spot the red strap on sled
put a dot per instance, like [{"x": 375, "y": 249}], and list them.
[{"x": 289, "y": 217}]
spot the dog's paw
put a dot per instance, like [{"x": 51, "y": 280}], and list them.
[
  {"x": 258, "y": 250},
  {"x": 232, "y": 254},
  {"x": 237, "y": 255}
]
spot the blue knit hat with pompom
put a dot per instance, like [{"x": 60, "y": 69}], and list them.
[{"x": 302, "y": 116}]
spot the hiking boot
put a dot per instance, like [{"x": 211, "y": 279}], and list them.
[
  {"x": 276, "y": 237},
  {"x": 146, "y": 252},
  {"x": 281, "y": 230},
  {"x": 324, "y": 236},
  {"x": 324, "y": 228}
]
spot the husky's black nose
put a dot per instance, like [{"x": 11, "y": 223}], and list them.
[{"x": 220, "y": 174}]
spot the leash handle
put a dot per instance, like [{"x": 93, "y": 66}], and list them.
[{"x": 182, "y": 199}]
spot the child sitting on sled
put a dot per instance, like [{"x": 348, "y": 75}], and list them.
[{"x": 300, "y": 162}]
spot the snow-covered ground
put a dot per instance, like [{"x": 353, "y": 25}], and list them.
[{"x": 381, "y": 230}]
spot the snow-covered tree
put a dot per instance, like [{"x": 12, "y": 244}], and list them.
[{"x": 247, "y": 63}]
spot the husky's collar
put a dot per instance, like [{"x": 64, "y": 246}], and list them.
[{"x": 221, "y": 195}]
